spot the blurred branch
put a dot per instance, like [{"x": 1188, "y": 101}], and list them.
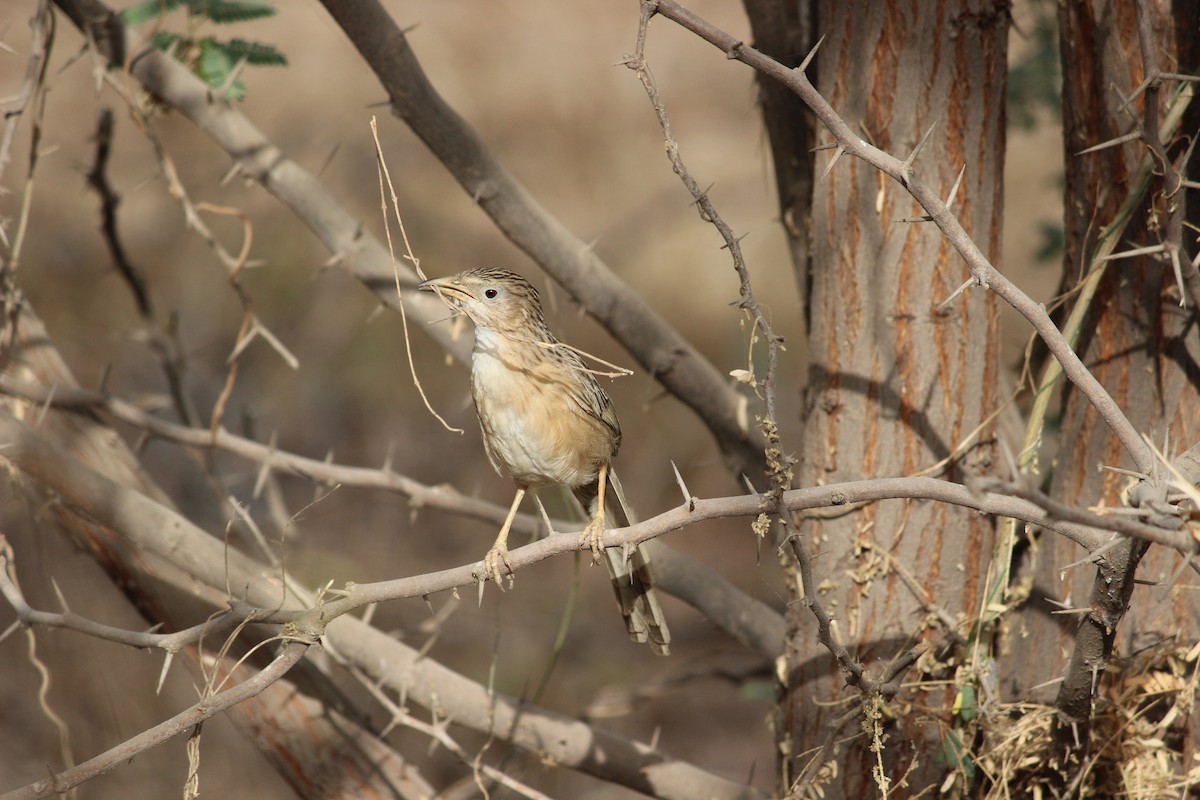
[
  {"x": 97, "y": 178},
  {"x": 260, "y": 160},
  {"x": 185, "y": 720},
  {"x": 751, "y": 622},
  {"x": 437, "y": 732},
  {"x": 662, "y": 351},
  {"x": 42, "y": 25},
  {"x": 29, "y": 97},
  {"x": 170, "y": 355},
  {"x": 170, "y": 642},
  {"x": 270, "y": 458}
]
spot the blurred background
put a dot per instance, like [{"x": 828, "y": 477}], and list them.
[{"x": 541, "y": 84}]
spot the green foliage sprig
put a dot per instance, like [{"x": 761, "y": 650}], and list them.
[{"x": 212, "y": 59}]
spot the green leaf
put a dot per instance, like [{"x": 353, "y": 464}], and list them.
[
  {"x": 163, "y": 40},
  {"x": 215, "y": 67},
  {"x": 1034, "y": 82},
  {"x": 758, "y": 690},
  {"x": 954, "y": 753},
  {"x": 255, "y": 53},
  {"x": 224, "y": 12},
  {"x": 964, "y": 703},
  {"x": 141, "y": 12},
  {"x": 236, "y": 91},
  {"x": 1052, "y": 241}
]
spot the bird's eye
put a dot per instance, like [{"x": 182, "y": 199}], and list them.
[{"x": 490, "y": 294}]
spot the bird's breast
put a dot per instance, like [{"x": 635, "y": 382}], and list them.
[{"x": 534, "y": 428}]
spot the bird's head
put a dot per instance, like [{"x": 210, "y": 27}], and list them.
[{"x": 495, "y": 299}]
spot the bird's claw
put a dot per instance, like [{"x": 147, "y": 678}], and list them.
[
  {"x": 492, "y": 562},
  {"x": 593, "y": 537}
]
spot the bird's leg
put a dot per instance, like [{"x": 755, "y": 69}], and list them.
[
  {"x": 499, "y": 553},
  {"x": 593, "y": 534}
]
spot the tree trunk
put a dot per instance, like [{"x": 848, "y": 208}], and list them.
[
  {"x": 896, "y": 387},
  {"x": 1138, "y": 342}
]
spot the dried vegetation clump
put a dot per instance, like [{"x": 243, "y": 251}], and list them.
[{"x": 1137, "y": 743}]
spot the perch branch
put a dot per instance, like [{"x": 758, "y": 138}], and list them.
[{"x": 741, "y": 616}]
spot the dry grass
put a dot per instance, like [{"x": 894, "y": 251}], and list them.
[{"x": 1135, "y": 744}]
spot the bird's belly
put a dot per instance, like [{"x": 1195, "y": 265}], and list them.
[{"x": 533, "y": 430}]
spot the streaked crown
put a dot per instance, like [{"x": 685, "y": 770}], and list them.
[{"x": 496, "y": 299}]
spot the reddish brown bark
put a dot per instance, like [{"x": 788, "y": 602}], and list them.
[
  {"x": 895, "y": 386},
  {"x": 1137, "y": 341}
]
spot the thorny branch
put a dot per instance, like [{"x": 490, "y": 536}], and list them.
[
  {"x": 437, "y": 732},
  {"x": 42, "y": 25},
  {"x": 1116, "y": 563},
  {"x": 161, "y": 341},
  {"x": 778, "y": 502},
  {"x": 102, "y": 501},
  {"x": 747, "y": 620},
  {"x": 669, "y": 357},
  {"x": 1172, "y": 246},
  {"x": 171, "y": 643},
  {"x": 1086, "y": 528}
]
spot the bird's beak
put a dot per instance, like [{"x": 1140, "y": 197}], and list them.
[
  {"x": 448, "y": 290},
  {"x": 444, "y": 287}
]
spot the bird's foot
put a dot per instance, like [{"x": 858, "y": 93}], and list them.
[
  {"x": 492, "y": 562},
  {"x": 593, "y": 537}
]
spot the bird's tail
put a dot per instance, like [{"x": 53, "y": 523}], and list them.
[{"x": 632, "y": 578}]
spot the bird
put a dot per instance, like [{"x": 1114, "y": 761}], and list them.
[{"x": 546, "y": 421}]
